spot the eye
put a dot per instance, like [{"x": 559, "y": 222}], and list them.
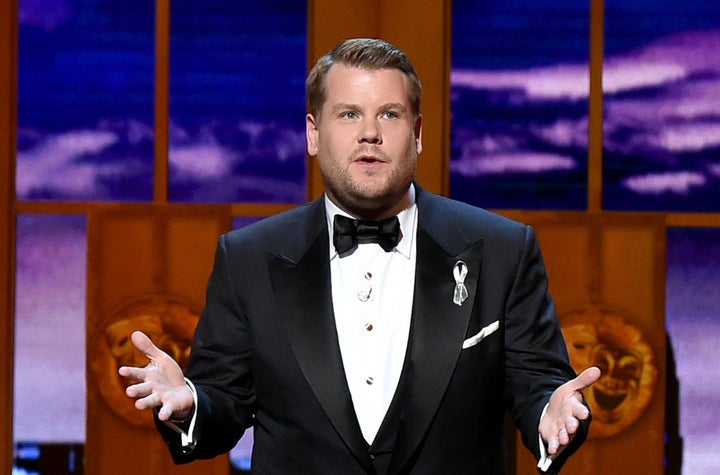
[
  {"x": 390, "y": 115},
  {"x": 351, "y": 115}
]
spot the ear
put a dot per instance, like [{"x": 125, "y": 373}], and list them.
[
  {"x": 418, "y": 134},
  {"x": 311, "y": 135}
]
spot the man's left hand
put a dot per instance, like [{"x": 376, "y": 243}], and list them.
[{"x": 565, "y": 411}]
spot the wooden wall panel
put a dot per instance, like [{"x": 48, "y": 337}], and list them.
[
  {"x": 121, "y": 259},
  {"x": 628, "y": 281},
  {"x": 568, "y": 246},
  {"x": 154, "y": 251},
  {"x": 615, "y": 263},
  {"x": 190, "y": 244},
  {"x": 8, "y": 99}
]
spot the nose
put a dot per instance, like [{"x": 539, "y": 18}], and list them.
[{"x": 370, "y": 131}]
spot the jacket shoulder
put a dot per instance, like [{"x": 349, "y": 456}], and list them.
[
  {"x": 289, "y": 234},
  {"x": 454, "y": 216},
  {"x": 305, "y": 218}
]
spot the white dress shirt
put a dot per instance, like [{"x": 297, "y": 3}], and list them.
[{"x": 372, "y": 294}]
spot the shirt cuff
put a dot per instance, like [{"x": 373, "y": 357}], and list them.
[
  {"x": 187, "y": 439},
  {"x": 546, "y": 459}
]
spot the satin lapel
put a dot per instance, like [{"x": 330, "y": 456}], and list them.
[
  {"x": 438, "y": 329},
  {"x": 302, "y": 292}
]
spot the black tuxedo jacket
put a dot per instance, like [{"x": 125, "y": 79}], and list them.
[{"x": 266, "y": 351}]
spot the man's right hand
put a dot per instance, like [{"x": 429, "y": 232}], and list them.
[{"x": 159, "y": 384}]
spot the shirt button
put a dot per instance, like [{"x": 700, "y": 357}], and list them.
[
  {"x": 368, "y": 275},
  {"x": 368, "y": 327},
  {"x": 370, "y": 380}
]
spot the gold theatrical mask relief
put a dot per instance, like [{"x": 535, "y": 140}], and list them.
[
  {"x": 603, "y": 338},
  {"x": 169, "y": 324}
]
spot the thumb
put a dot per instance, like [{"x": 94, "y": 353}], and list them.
[
  {"x": 145, "y": 346},
  {"x": 585, "y": 379}
]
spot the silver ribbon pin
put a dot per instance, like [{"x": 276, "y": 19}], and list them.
[{"x": 460, "y": 272}]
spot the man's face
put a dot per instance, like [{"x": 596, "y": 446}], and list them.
[{"x": 366, "y": 140}]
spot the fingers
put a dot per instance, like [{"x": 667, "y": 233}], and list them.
[
  {"x": 559, "y": 434},
  {"x": 144, "y": 396},
  {"x": 560, "y": 440},
  {"x": 139, "y": 390},
  {"x": 562, "y": 432},
  {"x": 571, "y": 425},
  {"x": 144, "y": 345},
  {"x": 563, "y": 437},
  {"x": 165, "y": 412},
  {"x": 147, "y": 402},
  {"x": 566, "y": 410},
  {"x": 132, "y": 373},
  {"x": 553, "y": 445},
  {"x": 160, "y": 384},
  {"x": 156, "y": 356},
  {"x": 568, "y": 398},
  {"x": 579, "y": 410},
  {"x": 147, "y": 397},
  {"x": 585, "y": 379}
]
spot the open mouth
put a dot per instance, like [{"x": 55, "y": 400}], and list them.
[
  {"x": 608, "y": 401},
  {"x": 368, "y": 159}
]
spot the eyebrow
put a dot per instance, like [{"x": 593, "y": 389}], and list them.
[
  {"x": 395, "y": 105},
  {"x": 343, "y": 106}
]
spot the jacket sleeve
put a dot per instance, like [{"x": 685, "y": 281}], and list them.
[
  {"x": 220, "y": 368},
  {"x": 536, "y": 356}
]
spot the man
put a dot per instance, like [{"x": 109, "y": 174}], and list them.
[{"x": 393, "y": 350}]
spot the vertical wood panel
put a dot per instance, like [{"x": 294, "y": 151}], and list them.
[
  {"x": 567, "y": 246},
  {"x": 190, "y": 243},
  {"x": 595, "y": 118},
  {"x": 162, "y": 94},
  {"x": 621, "y": 281},
  {"x": 613, "y": 261},
  {"x": 8, "y": 99},
  {"x": 119, "y": 270},
  {"x": 149, "y": 250}
]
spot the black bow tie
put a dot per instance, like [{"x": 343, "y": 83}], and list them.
[{"x": 348, "y": 233}]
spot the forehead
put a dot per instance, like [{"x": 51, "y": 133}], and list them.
[{"x": 359, "y": 85}]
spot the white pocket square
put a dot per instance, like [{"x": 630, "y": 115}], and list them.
[{"x": 477, "y": 338}]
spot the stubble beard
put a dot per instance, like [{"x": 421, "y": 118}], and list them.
[{"x": 370, "y": 195}]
